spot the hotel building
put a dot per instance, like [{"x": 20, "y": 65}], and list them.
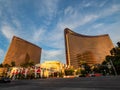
[
  {"x": 21, "y": 51},
  {"x": 89, "y": 49}
]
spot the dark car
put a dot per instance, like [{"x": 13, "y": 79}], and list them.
[
  {"x": 5, "y": 79},
  {"x": 94, "y": 75},
  {"x": 82, "y": 75}
]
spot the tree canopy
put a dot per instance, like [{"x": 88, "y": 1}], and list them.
[{"x": 115, "y": 57}]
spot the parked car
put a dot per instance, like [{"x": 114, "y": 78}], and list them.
[
  {"x": 94, "y": 75},
  {"x": 5, "y": 79},
  {"x": 82, "y": 75}
]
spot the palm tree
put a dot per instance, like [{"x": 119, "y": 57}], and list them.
[{"x": 114, "y": 59}]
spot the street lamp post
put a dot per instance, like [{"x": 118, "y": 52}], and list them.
[
  {"x": 113, "y": 67},
  {"x": 109, "y": 67}
]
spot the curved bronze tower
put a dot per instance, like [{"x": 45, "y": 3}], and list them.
[
  {"x": 82, "y": 48},
  {"x": 21, "y": 51}
]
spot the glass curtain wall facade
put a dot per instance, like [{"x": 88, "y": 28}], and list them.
[
  {"x": 86, "y": 49},
  {"x": 21, "y": 51}
]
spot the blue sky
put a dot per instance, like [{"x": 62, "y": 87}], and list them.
[{"x": 42, "y": 22}]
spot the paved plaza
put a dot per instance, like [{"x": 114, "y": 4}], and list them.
[{"x": 81, "y": 83}]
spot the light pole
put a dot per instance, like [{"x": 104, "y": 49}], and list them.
[
  {"x": 113, "y": 67},
  {"x": 109, "y": 67}
]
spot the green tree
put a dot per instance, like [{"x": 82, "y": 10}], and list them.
[
  {"x": 69, "y": 71},
  {"x": 6, "y": 65},
  {"x": 115, "y": 58},
  {"x": 31, "y": 63},
  {"x": 13, "y": 64},
  {"x": 27, "y": 64},
  {"x": 85, "y": 69},
  {"x": 1, "y": 65}
]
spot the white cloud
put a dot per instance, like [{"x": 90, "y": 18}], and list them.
[
  {"x": 68, "y": 10},
  {"x": 39, "y": 35},
  {"x": 0, "y": 12},
  {"x": 111, "y": 10},
  {"x": 53, "y": 55},
  {"x": 113, "y": 31},
  {"x": 50, "y": 5},
  {"x": 102, "y": 3},
  {"x": 75, "y": 19},
  {"x": 55, "y": 38},
  {"x": 88, "y": 18},
  {"x": 87, "y": 4},
  {"x": 1, "y": 54},
  {"x": 7, "y": 31},
  {"x": 16, "y": 23},
  {"x": 92, "y": 3},
  {"x": 48, "y": 8},
  {"x": 98, "y": 25}
]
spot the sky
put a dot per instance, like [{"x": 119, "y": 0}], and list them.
[{"x": 42, "y": 22}]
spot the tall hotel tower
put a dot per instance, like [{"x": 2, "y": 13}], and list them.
[
  {"x": 82, "y": 48},
  {"x": 21, "y": 50}
]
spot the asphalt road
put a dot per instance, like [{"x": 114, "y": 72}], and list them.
[{"x": 89, "y": 83}]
